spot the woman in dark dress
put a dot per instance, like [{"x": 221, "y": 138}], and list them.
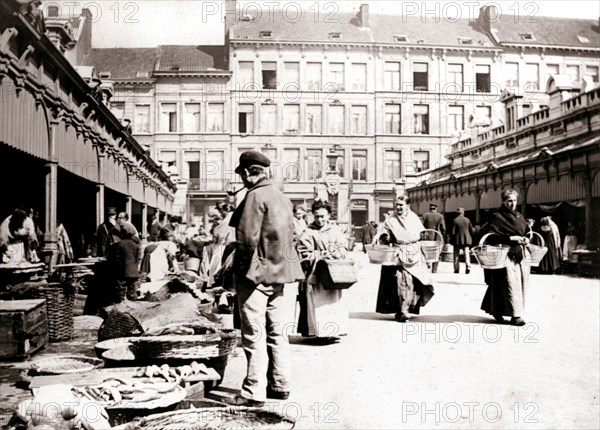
[
  {"x": 549, "y": 231},
  {"x": 405, "y": 285},
  {"x": 505, "y": 295}
]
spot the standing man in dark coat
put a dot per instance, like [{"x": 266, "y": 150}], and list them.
[
  {"x": 462, "y": 229},
  {"x": 368, "y": 233},
  {"x": 108, "y": 233},
  {"x": 434, "y": 221},
  {"x": 265, "y": 259}
]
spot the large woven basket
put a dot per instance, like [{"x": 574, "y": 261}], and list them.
[
  {"x": 537, "y": 251},
  {"x": 379, "y": 254},
  {"x": 432, "y": 249},
  {"x": 447, "y": 255},
  {"x": 185, "y": 347},
  {"x": 59, "y": 308},
  {"x": 491, "y": 257}
]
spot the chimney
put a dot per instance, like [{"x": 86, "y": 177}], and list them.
[
  {"x": 364, "y": 16},
  {"x": 230, "y": 14},
  {"x": 487, "y": 16}
]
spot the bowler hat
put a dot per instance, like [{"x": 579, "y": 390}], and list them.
[
  {"x": 432, "y": 206},
  {"x": 111, "y": 211},
  {"x": 252, "y": 158}
]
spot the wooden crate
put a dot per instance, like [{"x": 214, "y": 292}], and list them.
[{"x": 23, "y": 328}]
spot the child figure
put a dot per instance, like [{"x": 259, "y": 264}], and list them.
[{"x": 128, "y": 275}]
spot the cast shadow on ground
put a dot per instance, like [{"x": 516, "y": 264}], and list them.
[
  {"x": 313, "y": 340},
  {"x": 471, "y": 319}
]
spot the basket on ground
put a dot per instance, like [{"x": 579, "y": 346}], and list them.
[
  {"x": 379, "y": 254},
  {"x": 186, "y": 346},
  {"x": 447, "y": 255},
  {"x": 432, "y": 249},
  {"x": 59, "y": 307},
  {"x": 491, "y": 256},
  {"x": 192, "y": 264},
  {"x": 537, "y": 251}
]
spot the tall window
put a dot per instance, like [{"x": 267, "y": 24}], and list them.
[
  {"x": 359, "y": 77},
  {"x": 592, "y": 72},
  {"x": 391, "y": 77},
  {"x": 216, "y": 117},
  {"x": 271, "y": 154},
  {"x": 420, "y": 76},
  {"x": 246, "y": 118},
  {"x": 359, "y": 164},
  {"x": 455, "y": 78},
  {"x": 511, "y": 74},
  {"x": 456, "y": 118},
  {"x": 314, "y": 160},
  {"x": 339, "y": 163},
  {"x": 291, "y": 164},
  {"x": 292, "y": 75},
  {"x": 141, "y": 121},
  {"x": 191, "y": 117},
  {"x": 532, "y": 77},
  {"x": 214, "y": 171},
  {"x": 336, "y": 119},
  {"x": 573, "y": 72},
  {"x": 421, "y": 119},
  {"x": 246, "y": 76},
  {"x": 551, "y": 70},
  {"x": 314, "y": 76},
  {"x": 168, "y": 161},
  {"x": 269, "y": 75},
  {"x": 392, "y": 118},
  {"x": 191, "y": 167},
  {"x": 336, "y": 77},
  {"x": 314, "y": 117},
  {"x": 421, "y": 160},
  {"x": 358, "y": 120},
  {"x": 268, "y": 119},
  {"x": 393, "y": 165},
  {"x": 168, "y": 117},
  {"x": 482, "y": 78},
  {"x": 291, "y": 118},
  {"x": 118, "y": 109}
]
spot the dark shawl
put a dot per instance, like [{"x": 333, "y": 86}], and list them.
[{"x": 506, "y": 223}]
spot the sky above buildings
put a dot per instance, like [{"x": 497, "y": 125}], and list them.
[{"x": 149, "y": 23}]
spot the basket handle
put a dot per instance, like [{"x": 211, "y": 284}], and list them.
[
  {"x": 438, "y": 233},
  {"x": 531, "y": 233},
  {"x": 484, "y": 237}
]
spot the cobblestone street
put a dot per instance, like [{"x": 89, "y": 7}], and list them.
[{"x": 452, "y": 366}]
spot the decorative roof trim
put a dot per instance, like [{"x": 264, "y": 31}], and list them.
[
  {"x": 367, "y": 45},
  {"x": 548, "y": 47}
]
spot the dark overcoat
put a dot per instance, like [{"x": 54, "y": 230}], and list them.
[
  {"x": 265, "y": 251},
  {"x": 462, "y": 231}
]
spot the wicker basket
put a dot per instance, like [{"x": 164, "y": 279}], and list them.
[
  {"x": 192, "y": 264},
  {"x": 491, "y": 257},
  {"x": 59, "y": 308},
  {"x": 537, "y": 251},
  {"x": 379, "y": 254},
  {"x": 432, "y": 249},
  {"x": 447, "y": 255},
  {"x": 185, "y": 347}
]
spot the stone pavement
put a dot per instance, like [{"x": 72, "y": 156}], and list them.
[{"x": 451, "y": 367}]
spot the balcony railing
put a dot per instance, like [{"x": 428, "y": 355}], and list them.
[{"x": 208, "y": 185}]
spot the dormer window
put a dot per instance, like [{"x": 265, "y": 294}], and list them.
[
  {"x": 527, "y": 37},
  {"x": 583, "y": 39},
  {"x": 247, "y": 18},
  {"x": 174, "y": 67},
  {"x": 421, "y": 41},
  {"x": 335, "y": 35},
  {"x": 104, "y": 75},
  {"x": 142, "y": 74},
  {"x": 266, "y": 34},
  {"x": 400, "y": 38},
  {"x": 465, "y": 41}
]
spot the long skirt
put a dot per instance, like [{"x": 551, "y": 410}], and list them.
[
  {"x": 323, "y": 313},
  {"x": 551, "y": 261},
  {"x": 506, "y": 290},
  {"x": 399, "y": 291}
]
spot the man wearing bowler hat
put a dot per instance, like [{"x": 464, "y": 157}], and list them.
[
  {"x": 265, "y": 259},
  {"x": 434, "y": 221},
  {"x": 108, "y": 233},
  {"x": 462, "y": 231}
]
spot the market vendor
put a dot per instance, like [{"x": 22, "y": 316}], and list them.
[
  {"x": 160, "y": 258},
  {"x": 18, "y": 229}
]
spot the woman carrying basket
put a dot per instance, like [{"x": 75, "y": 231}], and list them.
[
  {"x": 322, "y": 311},
  {"x": 505, "y": 295},
  {"x": 406, "y": 285}
]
